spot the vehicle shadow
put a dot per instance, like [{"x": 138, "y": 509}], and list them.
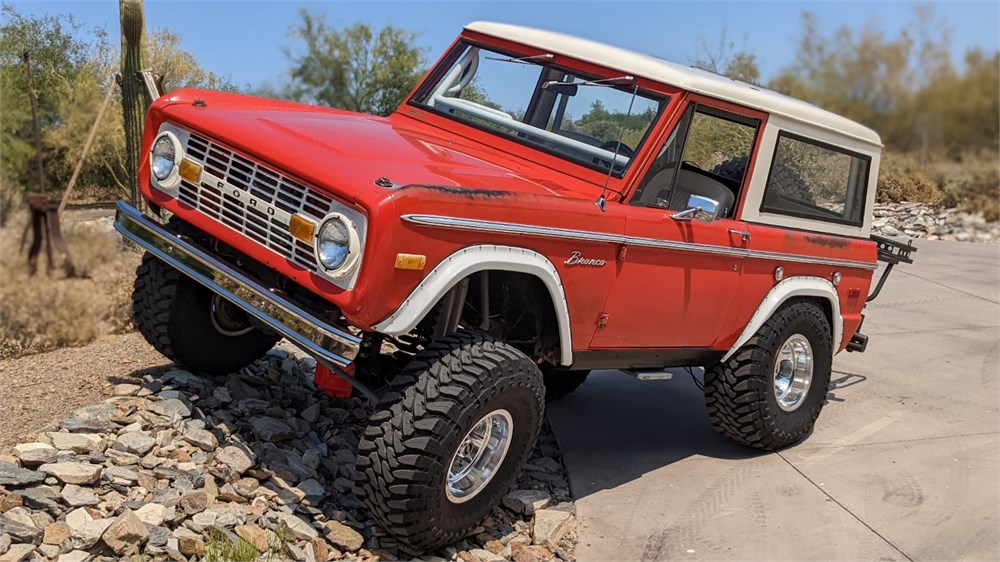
[{"x": 615, "y": 429}]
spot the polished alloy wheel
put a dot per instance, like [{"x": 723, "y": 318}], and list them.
[
  {"x": 479, "y": 456},
  {"x": 793, "y": 372}
]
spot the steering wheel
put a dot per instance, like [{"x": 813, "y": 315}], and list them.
[
  {"x": 468, "y": 72},
  {"x": 623, "y": 149}
]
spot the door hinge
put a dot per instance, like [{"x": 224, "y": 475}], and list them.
[
  {"x": 602, "y": 320},
  {"x": 622, "y": 250}
]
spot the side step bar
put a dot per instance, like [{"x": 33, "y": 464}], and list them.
[{"x": 649, "y": 374}]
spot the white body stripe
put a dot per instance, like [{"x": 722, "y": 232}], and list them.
[
  {"x": 470, "y": 260},
  {"x": 789, "y": 288}
]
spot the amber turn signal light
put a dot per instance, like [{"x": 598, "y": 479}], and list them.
[
  {"x": 301, "y": 228},
  {"x": 190, "y": 171},
  {"x": 415, "y": 262}
]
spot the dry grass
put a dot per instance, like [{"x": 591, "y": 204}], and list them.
[
  {"x": 970, "y": 182},
  {"x": 44, "y": 312}
]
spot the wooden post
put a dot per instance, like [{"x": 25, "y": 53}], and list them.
[{"x": 134, "y": 101}]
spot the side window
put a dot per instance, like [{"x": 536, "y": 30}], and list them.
[
  {"x": 707, "y": 155},
  {"x": 813, "y": 180}
]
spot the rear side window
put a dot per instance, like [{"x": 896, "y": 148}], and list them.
[{"x": 813, "y": 180}]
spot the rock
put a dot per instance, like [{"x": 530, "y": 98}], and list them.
[
  {"x": 15, "y": 476},
  {"x": 319, "y": 549},
  {"x": 239, "y": 460},
  {"x": 152, "y": 514},
  {"x": 76, "y": 556},
  {"x": 126, "y": 533},
  {"x": 254, "y": 535},
  {"x": 201, "y": 438},
  {"x": 56, "y": 533},
  {"x": 77, "y": 425},
  {"x": 169, "y": 408},
  {"x": 203, "y": 520},
  {"x": 486, "y": 556},
  {"x": 36, "y": 499},
  {"x": 298, "y": 528},
  {"x": 19, "y": 531},
  {"x": 9, "y": 501},
  {"x": 531, "y": 554},
  {"x": 526, "y": 502},
  {"x": 76, "y": 442},
  {"x": 158, "y": 536},
  {"x": 5, "y": 541},
  {"x": 343, "y": 536},
  {"x": 550, "y": 526},
  {"x": 121, "y": 475},
  {"x": 17, "y": 553},
  {"x": 78, "y": 518},
  {"x": 75, "y": 496},
  {"x": 135, "y": 442},
  {"x": 73, "y": 472},
  {"x": 33, "y": 454},
  {"x": 271, "y": 429},
  {"x": 193, "y": 502},
  {"x": 189, "y": 543},
  {"x": 313, "y": 491},
  {"x": 311, "y": 413},
  {"x": 87, "y": 535},
  {"x": 121, "y": 458}
]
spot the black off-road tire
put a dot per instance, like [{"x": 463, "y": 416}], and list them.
[
  {"x": 424, "y": 414},
  {"x": 739, "y": 393},
  {"x": 560, "y": 383},
  {"x": 173, "y": 313}
]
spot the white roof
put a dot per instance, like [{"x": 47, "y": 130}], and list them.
[{"x": 684, "y": 77}]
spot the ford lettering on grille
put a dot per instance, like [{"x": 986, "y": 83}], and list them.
[{"x": 252, "y": 199}]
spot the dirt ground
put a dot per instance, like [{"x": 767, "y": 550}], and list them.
[{"x": 36, "y": 391}]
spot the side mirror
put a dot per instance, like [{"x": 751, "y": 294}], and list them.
[{"x": 699, "y": 208}]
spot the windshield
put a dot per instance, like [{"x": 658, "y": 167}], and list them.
[{"x": 592, "y": 122}]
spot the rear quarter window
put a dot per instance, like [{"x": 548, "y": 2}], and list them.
[{"x": 814, "y": 180}]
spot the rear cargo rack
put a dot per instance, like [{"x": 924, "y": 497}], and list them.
[{"x": 890, "y": 252}]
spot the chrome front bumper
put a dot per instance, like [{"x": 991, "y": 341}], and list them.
[{"x": 331, "y": 346}]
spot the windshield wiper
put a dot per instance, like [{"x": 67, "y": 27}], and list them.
[
  {"x": 523, "y": 60},
  {"x": 616, "y": 81}
]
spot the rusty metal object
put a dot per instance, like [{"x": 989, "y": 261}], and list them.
[{"x": 45, "y": 229}]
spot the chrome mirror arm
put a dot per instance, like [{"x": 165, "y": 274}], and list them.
[{"x": 686, "y": 214}]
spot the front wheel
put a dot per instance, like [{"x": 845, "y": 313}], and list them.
[
  {"x": 190, "y": 325},
  {"x": 449, "y": 438},
  {"x": 770, "y": 392}
]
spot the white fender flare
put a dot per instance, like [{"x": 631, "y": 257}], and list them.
[
  {"x": 473, "y": 259},
  {"x": 789, "y": 288}
]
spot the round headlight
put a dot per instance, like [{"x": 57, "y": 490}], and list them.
[
  {"x": 333, "y": 245},
  {"x": 164, "y": 156}
]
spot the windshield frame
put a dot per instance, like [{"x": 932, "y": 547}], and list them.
[{"x": 560, "y": 63}]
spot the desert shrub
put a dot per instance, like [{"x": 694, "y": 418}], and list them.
[
  {"x": 42, "y": 312},
  {"x": 900, "y": 178}
]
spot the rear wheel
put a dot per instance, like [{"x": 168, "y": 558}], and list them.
[
  {"x": 770, "y": 392},
  {"x": 190, "y": 325},
  {"x": 449, "y": 438}
]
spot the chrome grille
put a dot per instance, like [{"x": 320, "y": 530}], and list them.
[{"x": 261, "y": 183}]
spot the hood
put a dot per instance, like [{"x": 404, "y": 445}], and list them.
[{"x": 347, "y": 152}]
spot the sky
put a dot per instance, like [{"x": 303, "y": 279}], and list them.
[{"x": 245, "y": 41}]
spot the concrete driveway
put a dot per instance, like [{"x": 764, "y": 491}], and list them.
[{"x": 904, "y": 463}]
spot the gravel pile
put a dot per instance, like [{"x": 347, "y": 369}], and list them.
[
  {"x": 255, "y": 467},
  {"x": 917, "y": 220}
]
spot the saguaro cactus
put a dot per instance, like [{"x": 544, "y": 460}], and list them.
[{"x": 134, "y": 100}]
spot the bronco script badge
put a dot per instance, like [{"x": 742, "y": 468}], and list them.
[{"x": 576, "y": 258}]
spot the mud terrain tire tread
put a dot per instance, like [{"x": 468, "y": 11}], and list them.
[
  {"x": 171, "y": 312},
  {"x": 424, "y": 412},
  {"x": 739, "y": 394}
]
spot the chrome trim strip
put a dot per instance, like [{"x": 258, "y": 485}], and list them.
[
  {"x": 314, "y": 336},
  {"x": 590, "y": 236}
]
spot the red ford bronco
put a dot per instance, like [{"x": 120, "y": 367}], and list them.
[{"x": 540, "y": 206}]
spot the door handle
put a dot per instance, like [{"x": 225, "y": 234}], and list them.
[{"x": 743, "y": 234}]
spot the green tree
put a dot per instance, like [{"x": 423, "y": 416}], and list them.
[
  {"x": 722, "y": 57},
  {"x": 354, "y": 68},
  {"x": 57, "y": 55}
]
